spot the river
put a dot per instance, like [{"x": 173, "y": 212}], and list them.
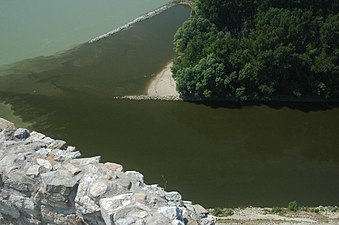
[
  {"x": 215, "y": 154},
  {"x": 42, "y": 27}
]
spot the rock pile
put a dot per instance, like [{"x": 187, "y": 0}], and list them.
[{"x": 43, "y": 181}]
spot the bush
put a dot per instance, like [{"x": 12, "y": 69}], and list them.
[
  {"x": 332, "y": 208},
  {"x": 219, "y": 212},
  {"x": 293, "y": 206}
]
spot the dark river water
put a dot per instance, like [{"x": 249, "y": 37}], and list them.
[{"x": 215, "y": 154}]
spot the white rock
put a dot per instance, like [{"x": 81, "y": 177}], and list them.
[
  {"x": 140, "y": 214},
  {"x": 140, "y": 197},
  {"x": 71, "y": 168},
  {"x": 136, "y": 175},
  {"x": 173, "y": 196},
  {"x": 70, "y": 148},
  {"x": 35, "y": 136},
  {"x": 98, "y": 188},
  {"x": 177, "y": 222},
  {"x": 83, "y": 187},
  {"x": 86, "y": 161},
  {"x": 47, "y": 140},
  {"x": 22, "y": 203},
  {"x": 155, "y": 189},
  {"x": 33, "y": 170},
  {"x": 44, "y": 163},
  {"x": 21, "y": 157},
  {"x": 87, "y": 205},
  {"x": 140, "y": 222},
  {"x": 43, "y": 152},
  {"x": 125, "y": 221},
  {"x": 200, "y": 210},
  {"x": 171, "y": 212},
  {"x": 187, "y": 202},
  {"x": 58, "y": 144},
  {"x": 5, "y": 124},
  {"x": 110, "y": 205},
  {"x": 209, "y": 220},
  {"x": 115, "y": 167}
]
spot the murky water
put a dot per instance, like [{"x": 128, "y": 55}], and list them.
[
  {"x": 214, "y": 154},
  {"x": 32, "y": 28}
]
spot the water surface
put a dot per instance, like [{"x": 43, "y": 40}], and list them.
[
  {"x": 214, "y": 154},
  {"x": 32, "y": 28}
]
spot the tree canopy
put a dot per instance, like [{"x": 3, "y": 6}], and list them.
[{"x": 253, "y": 50}]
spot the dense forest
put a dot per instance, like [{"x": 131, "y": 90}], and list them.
[{"x": 257, "y": 50}]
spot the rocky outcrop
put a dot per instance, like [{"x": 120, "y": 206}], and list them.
[{"x": 43, "y": 181}]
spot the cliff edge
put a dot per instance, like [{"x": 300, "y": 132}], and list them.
[{"x": 44, "y": 181}]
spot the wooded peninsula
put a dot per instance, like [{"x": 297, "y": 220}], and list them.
[{"x": 259, "y": 50}]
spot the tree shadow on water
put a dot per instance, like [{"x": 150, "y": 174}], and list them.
[{"x": 294, "y": 105}]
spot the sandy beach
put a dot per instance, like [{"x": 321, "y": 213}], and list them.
[{"x": 163, "y": 85}]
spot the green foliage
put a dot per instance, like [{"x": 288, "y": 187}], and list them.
[
  {"x": 204, "y": 79},
  {"x": 333, "y": 208},
  {"x": 228, "y": 15},
  {"x": 222, "y": 212},
  {"x": 277, "y": 210},
  {"x": 309, "y": 209},
  {"x": 253, "y": 50},
  {"x": 293, "y": 206}
]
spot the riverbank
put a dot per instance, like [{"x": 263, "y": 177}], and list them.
[
  {"x": 163, "y": 87},
  {"x": 278, "y": 216}
]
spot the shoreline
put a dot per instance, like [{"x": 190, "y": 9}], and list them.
[
  {"x": 163, "y": 84},
  {"x": 263, "y": 216}
]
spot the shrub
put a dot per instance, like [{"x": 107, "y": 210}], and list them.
[
  {"x": 219, "y": 212},
  {"x": 277, "y": 210},
  {"x": 293, "y": 206}
]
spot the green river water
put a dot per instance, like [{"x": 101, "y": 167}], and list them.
[
  {"x": 32, "y": 28},
  {"x": 215, "y": 154}
]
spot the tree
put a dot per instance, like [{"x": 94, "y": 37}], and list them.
[
  {"x": 252, "y": 50},
  {"x": 204, "y": 79},
  {"x": 230, "y": 15}
]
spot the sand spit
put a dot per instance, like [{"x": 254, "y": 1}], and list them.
[
  {"x": 163, "y": 84},
  {"x": 161, "y": 87}
]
